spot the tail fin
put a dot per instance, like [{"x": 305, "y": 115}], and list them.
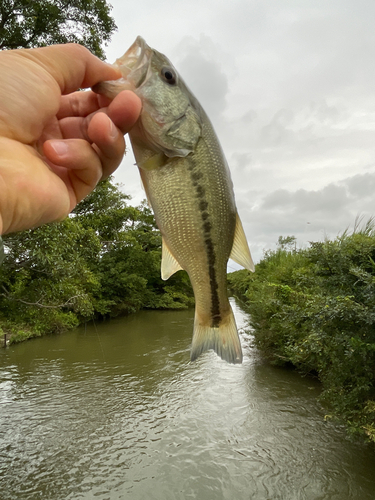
[{"x": 224, "y": 340}]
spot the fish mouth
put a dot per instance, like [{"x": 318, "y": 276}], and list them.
[{"x": 134, "y": 64}]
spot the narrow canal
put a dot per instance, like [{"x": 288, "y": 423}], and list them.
[{"x": 116, "y": 411}]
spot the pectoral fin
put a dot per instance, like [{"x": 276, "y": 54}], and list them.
[
  {"x": 156, "y": 161},
  {"x": 240, "y": 250},
  {"x": 169, "y": 264}
]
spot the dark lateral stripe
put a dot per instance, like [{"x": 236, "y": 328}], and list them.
[{"x": 207, "y": 228}]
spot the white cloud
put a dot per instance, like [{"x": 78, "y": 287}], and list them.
[
  {"x": 310, "y": 215},
  {"x": 200, "y": 60}
]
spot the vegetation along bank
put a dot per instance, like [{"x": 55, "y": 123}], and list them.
[
  {"x": 315, "y": 308},
  {"x": 102, "y": 261}
]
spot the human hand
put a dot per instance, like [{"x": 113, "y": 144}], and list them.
[{"x": 55, "y": 143}]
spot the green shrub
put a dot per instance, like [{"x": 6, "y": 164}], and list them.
[{"x": 315, "y": 308}]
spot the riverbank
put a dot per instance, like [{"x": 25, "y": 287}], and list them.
[
  {"x": 14, "y": 333},
  {"x": 102, "y": 261},
  {"x": 314, "y": 308}
]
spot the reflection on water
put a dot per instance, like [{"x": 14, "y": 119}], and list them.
[{"x": 117, "y": 411}]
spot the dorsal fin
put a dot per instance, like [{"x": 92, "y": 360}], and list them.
[
  {"x": 240, "y": 250},
  {"x": 169, "y": 264}
]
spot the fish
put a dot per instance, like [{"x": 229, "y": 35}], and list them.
[{"x": 188, "y": 185}]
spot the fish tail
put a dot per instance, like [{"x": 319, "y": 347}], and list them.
[{"x": 224, "y": 339}]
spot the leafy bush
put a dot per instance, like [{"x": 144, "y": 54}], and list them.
[{"x": 315, "y": 308}]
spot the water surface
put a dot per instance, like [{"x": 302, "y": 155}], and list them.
[{"x": 117, "y": 411}]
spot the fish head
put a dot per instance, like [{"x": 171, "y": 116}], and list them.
[{"x": 171, "y": 118}]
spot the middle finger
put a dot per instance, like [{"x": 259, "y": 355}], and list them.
[{"x": 75, "y": 127}]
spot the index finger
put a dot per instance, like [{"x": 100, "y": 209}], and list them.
[{"x": 81, "y": 103}]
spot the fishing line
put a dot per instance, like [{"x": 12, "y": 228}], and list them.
[{"x": 100, "y": 342}]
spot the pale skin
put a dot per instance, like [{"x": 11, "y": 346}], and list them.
[{"x": 56, "y": 143}]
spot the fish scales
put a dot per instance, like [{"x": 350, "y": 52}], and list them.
[
  {"x": 188, "y": 185},
  {"x": 192, "y": 202}
]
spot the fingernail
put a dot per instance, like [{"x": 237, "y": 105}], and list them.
[
  {"x": 60, "y": 147},
  {"x": 113, "y": 132}
]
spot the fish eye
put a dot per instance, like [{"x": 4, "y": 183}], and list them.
[{"x": 169, "y": 75}]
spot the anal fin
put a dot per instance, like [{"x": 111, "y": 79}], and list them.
[{"x": 240, "y": 250}]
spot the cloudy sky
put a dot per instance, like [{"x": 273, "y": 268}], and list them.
[{"x": 290, "y": 88}]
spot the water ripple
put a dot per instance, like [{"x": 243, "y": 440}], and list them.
[{"x": 133, "y": 418}]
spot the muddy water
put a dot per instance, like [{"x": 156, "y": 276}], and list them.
[{"x": 116, "y": 411}]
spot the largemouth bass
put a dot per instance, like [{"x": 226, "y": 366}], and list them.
[{"x": 189, "y": 187}]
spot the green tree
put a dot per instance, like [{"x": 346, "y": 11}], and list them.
[
  {"x": 46, "y": 284},
  {"x": 103, "y": 260},
  {"x": 31, "y": 23},
  {"x": 287, "y": 242}
]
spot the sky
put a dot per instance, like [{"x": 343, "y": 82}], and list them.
[{"x": 289, "y": 86}]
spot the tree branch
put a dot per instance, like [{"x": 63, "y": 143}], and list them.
[{"x": 37, "y": 304}]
